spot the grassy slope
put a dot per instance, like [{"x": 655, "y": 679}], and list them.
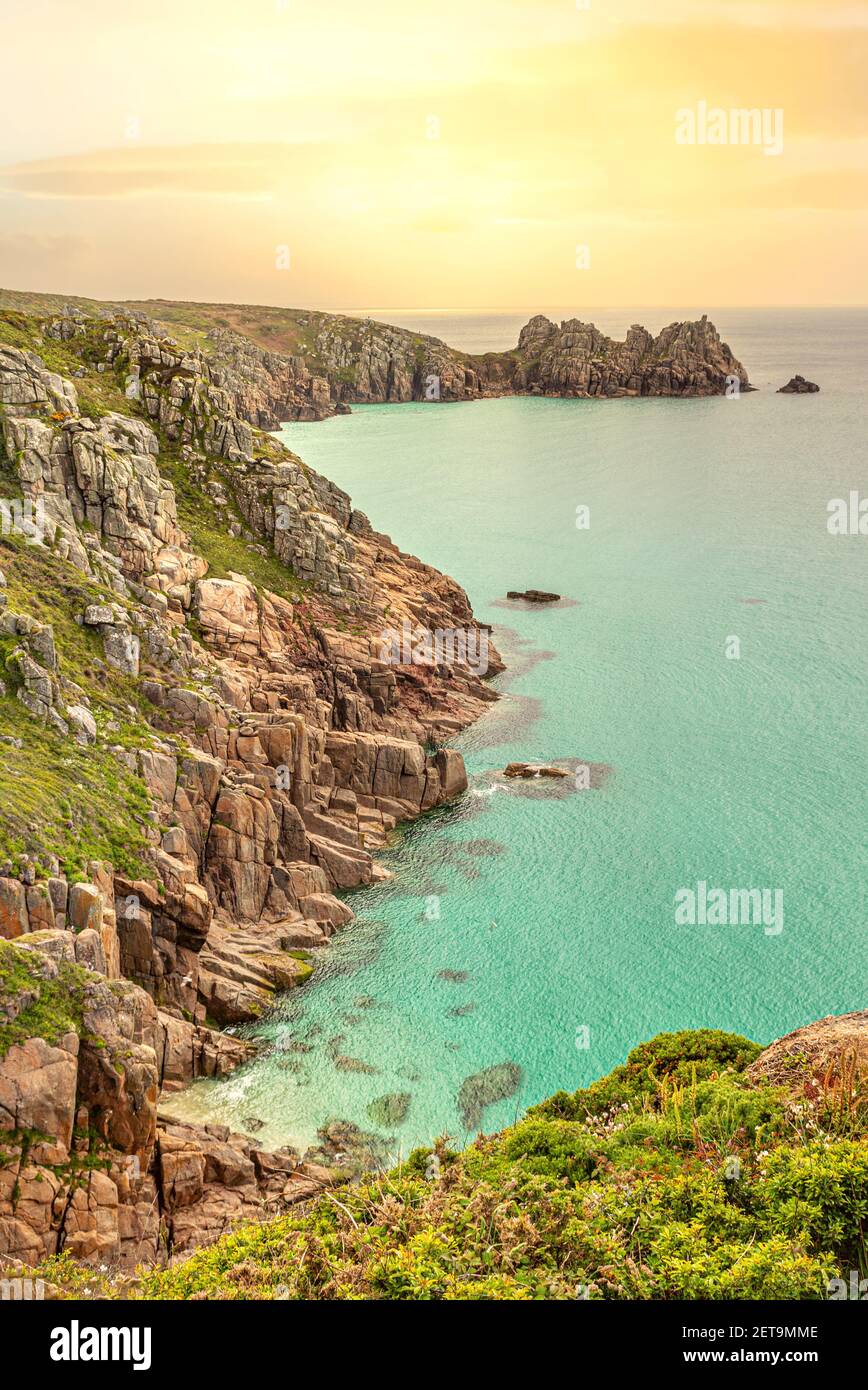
[
  {"x": 673, "y": 1177},
  {"x": 287, "y": 331},
  {"x": 51, "y": 1007}
]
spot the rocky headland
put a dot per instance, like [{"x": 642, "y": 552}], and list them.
[{"x": 293, "y": 364}]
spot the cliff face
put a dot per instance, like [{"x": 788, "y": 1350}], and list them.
[
  {"x": 575, "y": 359},
  {"x": 202, "y": 746}
]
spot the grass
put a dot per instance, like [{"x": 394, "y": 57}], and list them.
[
  {"x": 57, "y": 798},
  {"x": 209, "y": 533},
  {"x": 54, "y": 1007}
]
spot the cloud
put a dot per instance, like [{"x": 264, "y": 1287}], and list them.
[{"x": 242, "y": 172}]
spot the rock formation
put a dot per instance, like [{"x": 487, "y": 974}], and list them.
[
  {"x": 798, "y": 386},
  {"x": 345, "y": 361}
]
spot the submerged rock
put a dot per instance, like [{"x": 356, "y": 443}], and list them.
[
  {"x": 533, "y": 770},
  {"x": 345, "y": 1146},
  {"x": 386, "y": 1111},
  {"x": 345, "y": 1063},
  {"x": 485, "y": 1088}
]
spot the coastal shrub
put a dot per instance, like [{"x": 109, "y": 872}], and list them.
[
  {"x": 421, "y": 1269},
  {"x": 819, "y": 1193},
  {"x": 695, "y": 1054},
  {"x": 684, "y": 1266},
  {"x": 551, "y": 1148}
]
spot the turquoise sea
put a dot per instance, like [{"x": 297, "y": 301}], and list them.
[{"x": 552, "y": 910}]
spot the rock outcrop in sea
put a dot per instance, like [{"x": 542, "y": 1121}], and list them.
[{"x": 798, "y": 386}]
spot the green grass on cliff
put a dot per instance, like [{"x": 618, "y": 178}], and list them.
[
  {"x": 34, "y": 1007},
  {"x": 209, "y": 534},
  {"x": 674, "y": 1177},
  {"x": 57, "y": 797}
]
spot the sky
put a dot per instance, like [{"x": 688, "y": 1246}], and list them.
[{"x": 494, "y": 154}]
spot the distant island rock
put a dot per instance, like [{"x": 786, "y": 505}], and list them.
[{"x": 798, "y": 386}]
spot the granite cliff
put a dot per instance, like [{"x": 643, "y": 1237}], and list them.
[{"x": 203, "y": 746}]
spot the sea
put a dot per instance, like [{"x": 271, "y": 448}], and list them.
[{"x": 708, "y": 663}]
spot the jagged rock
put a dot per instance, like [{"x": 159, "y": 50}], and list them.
[
  {"x": 797, "y": 386},
  {"x": 81, "y": 723},
  {"x": 38, "y": 1091},
  {"x": 122, "y": 650},
  {"x": 14, "y": 919},
  {"x": 85, "y": 907}
]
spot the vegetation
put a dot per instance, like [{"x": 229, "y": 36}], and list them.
[
  {"x": 209, "y": 533},
  {"x": 48, "y": 1008},
  {"x": 675, "y": 1177},
  {"x": 58, "y": 798}
]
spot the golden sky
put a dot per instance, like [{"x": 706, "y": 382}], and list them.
[{"x": 444, "y": 155}]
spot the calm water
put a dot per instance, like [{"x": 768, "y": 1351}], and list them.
[{"x": 552, "y": 910}]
